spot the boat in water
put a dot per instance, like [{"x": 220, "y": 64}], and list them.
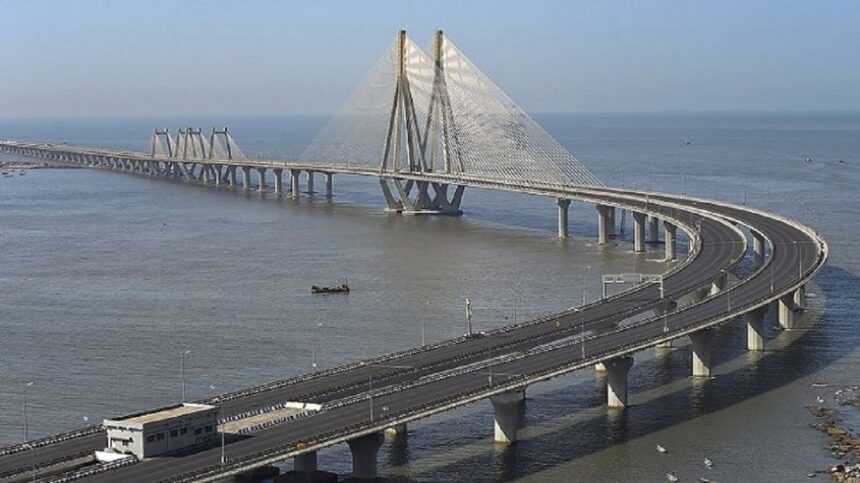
[{"x": 342, "y": 288}]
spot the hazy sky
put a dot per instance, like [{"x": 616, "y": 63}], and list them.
[{"x": 112, "y": 58}]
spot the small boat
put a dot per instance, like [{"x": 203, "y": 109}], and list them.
[
  {"x": 342, "y": 288},
  {"x": 705, "y": 480},
  {"x": 808, "y": 159},
  {"x": 671, "y": 477},
  {"x": 662, "y": 449},
  {"x": 709, "y": 463}
]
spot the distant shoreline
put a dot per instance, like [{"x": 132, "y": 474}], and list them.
[{"x": 26, "y": 165}]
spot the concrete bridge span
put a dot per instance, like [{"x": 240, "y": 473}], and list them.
[{"x": 427, "y": 380}]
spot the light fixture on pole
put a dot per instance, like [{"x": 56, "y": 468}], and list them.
[{"x": 469, "y": 315}]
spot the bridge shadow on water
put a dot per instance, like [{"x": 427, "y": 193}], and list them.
[{"x": 564, "y": 425}]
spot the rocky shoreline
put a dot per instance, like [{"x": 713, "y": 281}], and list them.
[{"x": 844, "y": 442}]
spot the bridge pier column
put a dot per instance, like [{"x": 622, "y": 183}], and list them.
[
  {"x": 246, "y": 178},
  {"x": 719, "y": 284},
  {"x": 611, "y": 229},
  {"x": 653, "y": 229},
  {"x": 306, "y": 462},
  {"x": 279, "y": 180},
  {"x": 364, "y": 451},
  {"x": 671, "y": 238},
  {"x": 563, "y": 205},
  {"x": 396, "y": 431},
  {"x": 756, "y": 329},
  {"x": 702, "y": 352},
  {"x": 758, "y": 247},
  {"x": 617, "y": 370},
  {"x": 639, "y": 232},
  {"x": 294, "y": 182},
  {"x": 329, "y": 184},
  {"x": 310, "y": 177},
  {"x": 786, "y": 312},
  {"x": 218, "y": 176},
  {"x": 800, "y": 298},
  {"x": 508, "y": 409},
  {"x": 261, "y": 172},
  {"x": 603, "y": 213}
]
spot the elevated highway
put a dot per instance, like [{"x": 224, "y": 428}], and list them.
[{"x": 418, "y": 383}]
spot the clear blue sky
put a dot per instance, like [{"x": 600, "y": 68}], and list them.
[{"x": 189, "y": 57}]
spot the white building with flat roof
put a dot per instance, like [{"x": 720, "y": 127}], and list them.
[{"x": 167, "y": 429}]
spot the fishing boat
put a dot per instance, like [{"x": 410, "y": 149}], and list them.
[{"x": 342, "y": 288}]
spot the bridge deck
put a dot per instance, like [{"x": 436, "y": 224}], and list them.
[{"x": 427, "y": 388}]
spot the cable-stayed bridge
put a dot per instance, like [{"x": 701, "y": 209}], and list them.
[{"x": 428, "y": 125}]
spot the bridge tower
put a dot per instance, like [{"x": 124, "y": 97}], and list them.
[
  {"x": 162, "y": 144},
  {"x": 406, "y": 146},
  {"x": 191, "y": 144}
]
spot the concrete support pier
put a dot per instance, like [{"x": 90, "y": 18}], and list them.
[
  {"x": 563, "y": 205},
  {"x": 396, "y": 431},
  {"x": 294, "y": 182},
  {"x": 508, "y": 408},
  {"x": 279, "y": 180},
  {"x": 671, "y": 238},
  {"x": 756, "y": 329},
  {"x": 612, "y": 225},
  {"x": 310, "y": 177},
  {"x": 603, "y": 213},
  {"x": 246, "y": 178},
  {"x": 231, "y": 176},
  {"x": 758, "y": 247},
  {"x": 329, "y": 184},
  {"x": 305, "y": 462},
  {"x": 639, "y": 232},
  {"x": 653, "y": 229},
  {"x": 800, "y": 298},
  {"x": 261, "y": 176},
  {"x": 786, "y": 312},
  {"x": 616, "y": 381},
  {"x": 702, "y": 352},
  {"x": 364, "y": 451},
  {"x": 719, "y": 284}
]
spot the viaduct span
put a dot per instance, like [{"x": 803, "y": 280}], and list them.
[{"x": 429, "y": 126}]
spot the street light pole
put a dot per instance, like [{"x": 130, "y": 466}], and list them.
[
  {"x": 314, "y": 353},
  {"x": 26, "y": 422},
  {"x": 583, "y": 334},
  {"x": 587, "y": 269},
  {"x": 184, "y": 355},
  {"x": 469, "y": 315}
]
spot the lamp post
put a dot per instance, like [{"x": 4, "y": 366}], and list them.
[
  {"x": 314, "y": 350},
  {"x": 469, "y": 315},
  {"x": 424, "y": 324},
  {"x": 26, "y": 422},
  {"x": 184, "y": 355},
  {"x": 587, "y": 269}
]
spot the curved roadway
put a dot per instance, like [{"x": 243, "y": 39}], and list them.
[{"x": 434, "y": 378}]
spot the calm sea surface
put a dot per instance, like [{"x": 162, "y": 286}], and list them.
[{"x": 106, "y": 278}]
